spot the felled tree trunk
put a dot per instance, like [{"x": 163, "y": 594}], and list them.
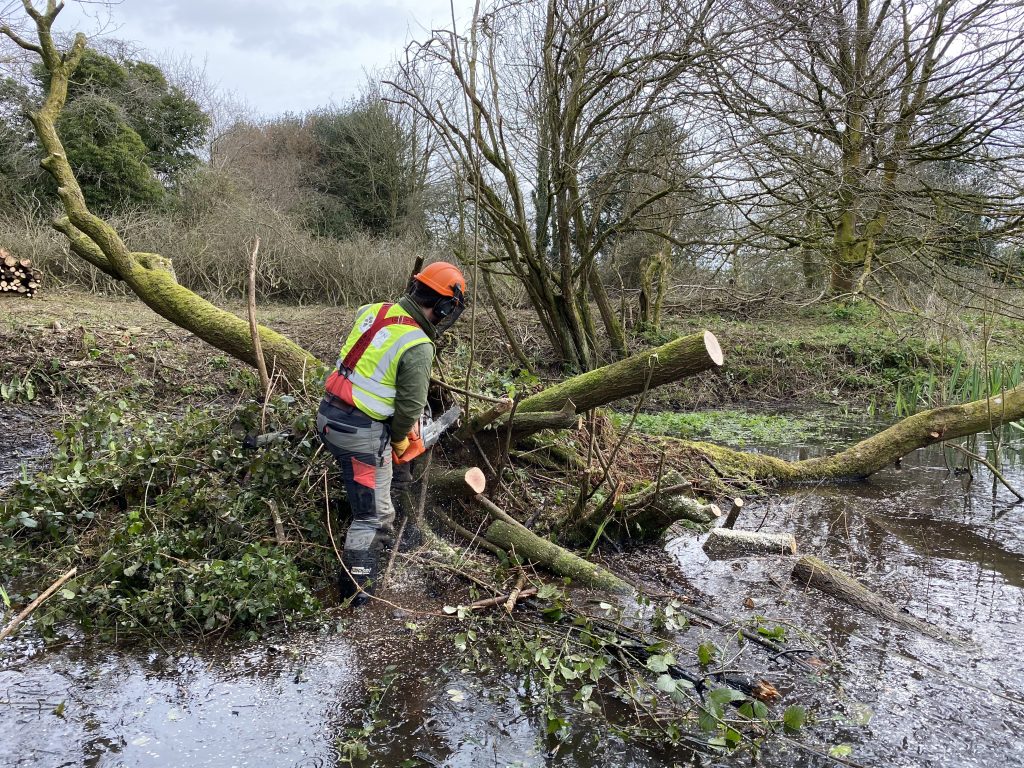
[
  {"x": 878, "y": 451},
  {"x": 670, "y": 362},
  {"x": 530, "y": 547},
  {"x": 810, "y": 571}
]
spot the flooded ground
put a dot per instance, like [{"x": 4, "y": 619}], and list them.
[
  {"x": 936, "y": 544},
  {"x": 948, "y": 551}
]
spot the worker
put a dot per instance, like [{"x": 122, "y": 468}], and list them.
[{"x": 373, "y": 399}]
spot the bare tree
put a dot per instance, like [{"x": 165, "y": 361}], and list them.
[
  {"x": 862, "y": 127},
  {"x": 541, "y": 109}
]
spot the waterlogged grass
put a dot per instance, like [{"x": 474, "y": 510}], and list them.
[
  {"x": 962, "y": 384},
  {"x": 725, "y": 426}
]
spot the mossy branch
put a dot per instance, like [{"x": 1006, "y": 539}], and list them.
[{"x": 98, "y": 243}]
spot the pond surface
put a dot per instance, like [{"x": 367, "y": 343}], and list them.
[
  {"x": 948, "y": 551},
  {"x": 935, "y": 543}
]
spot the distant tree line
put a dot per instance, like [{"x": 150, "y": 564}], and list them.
[{"x": 586, "y": 156}]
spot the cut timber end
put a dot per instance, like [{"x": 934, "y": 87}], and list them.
[
  {"x": 475, "y": 479},
  {"x": 725, "y": 543},
  {"x": 714, "y": 348}
]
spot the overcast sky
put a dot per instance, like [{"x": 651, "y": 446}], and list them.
[{"x": 277, "y": 55}]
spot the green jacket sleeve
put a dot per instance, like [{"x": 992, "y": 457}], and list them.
[{"x": 411, "y": 388}]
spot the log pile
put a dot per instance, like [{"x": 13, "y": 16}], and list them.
[{"x": 17, "y": 275}]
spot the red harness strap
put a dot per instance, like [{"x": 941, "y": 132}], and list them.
[
  {"x": 338, "y": 383},
  {"x": 381, "y": 321}
]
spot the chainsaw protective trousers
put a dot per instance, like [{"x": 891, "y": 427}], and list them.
[{"x": 362, "y": 448}]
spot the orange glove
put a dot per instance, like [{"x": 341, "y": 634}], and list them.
[{"x": 400, "y": 446}]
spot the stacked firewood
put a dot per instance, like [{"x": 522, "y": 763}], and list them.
[{"x": 17, "y": 275}]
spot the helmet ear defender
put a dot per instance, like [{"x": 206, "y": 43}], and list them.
[{"x": 448, "y": 304}]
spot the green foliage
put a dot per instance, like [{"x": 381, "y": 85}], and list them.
[
  {"x": 365, "y": 170},
  {"x": 19, "y": 388},
  {"x": 19, "y": 168},
  {"x": 107, "y": 155},
  {"x": 168, "y": 518},
  {"x": 962, "y": 384},
  {"x": 129, "y": 134},
  {"x": 731, "y": 427}
]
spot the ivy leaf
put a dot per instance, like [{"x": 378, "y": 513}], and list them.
[
  {"x": 666, "y": 683},
  {"x": 794, "y": 717}
]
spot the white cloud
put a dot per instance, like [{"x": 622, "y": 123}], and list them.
[{"x": 278, "y": 55}]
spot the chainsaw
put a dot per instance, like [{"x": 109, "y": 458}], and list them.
[{"x": 425, "y": 433}]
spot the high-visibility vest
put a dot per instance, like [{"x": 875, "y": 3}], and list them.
[{"x": 367, "y": 369}]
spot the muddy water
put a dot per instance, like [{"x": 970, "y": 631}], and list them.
[
  {"x": 26, "y": 437},
  {"x": 948, "y": 552}
]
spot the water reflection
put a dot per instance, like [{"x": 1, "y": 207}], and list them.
[{"x": 948, "y": 552}]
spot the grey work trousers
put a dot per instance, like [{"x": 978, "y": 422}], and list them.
[{"x": 362, "y": 448}]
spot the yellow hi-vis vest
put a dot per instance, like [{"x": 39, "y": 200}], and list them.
[{"x": 376, "y": 372}]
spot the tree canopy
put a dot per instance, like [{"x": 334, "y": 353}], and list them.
[{"x": 129, "y": 133}]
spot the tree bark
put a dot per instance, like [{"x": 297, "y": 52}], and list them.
[
  {"x": 670, "y": 362},
  {"x": 810, "y": 571},
  {"x": 878, "y": 451},
  {"x": 530, "y": 547}
]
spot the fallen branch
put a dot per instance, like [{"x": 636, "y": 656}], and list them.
[
  {"x": 509, "y": 600},
  {"x": 810, "y": 571},
  {"x": 516, "y": 593},
  {"x": 514, "y": 537},
  {"x": 13, "y": 625}
]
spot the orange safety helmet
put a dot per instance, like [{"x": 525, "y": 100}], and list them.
[
  {"x": 447, "y": 281},
  {"x": 442, "y": 277}
]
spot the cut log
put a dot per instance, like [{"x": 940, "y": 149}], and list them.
[
  {"x": 449, "y": 484},
  {"x": 725, "y": 544},
  {"x": 810, "y": 571},
  {"x": 734, "y": 513},
  {"x": 670, "y": 362},
  {"x": 531, "y": 548}
]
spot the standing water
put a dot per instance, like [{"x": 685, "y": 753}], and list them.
[{"x": 947, "y": 550}]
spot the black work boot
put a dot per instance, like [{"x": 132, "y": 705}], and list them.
[{"x": 361, "y": 566}]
